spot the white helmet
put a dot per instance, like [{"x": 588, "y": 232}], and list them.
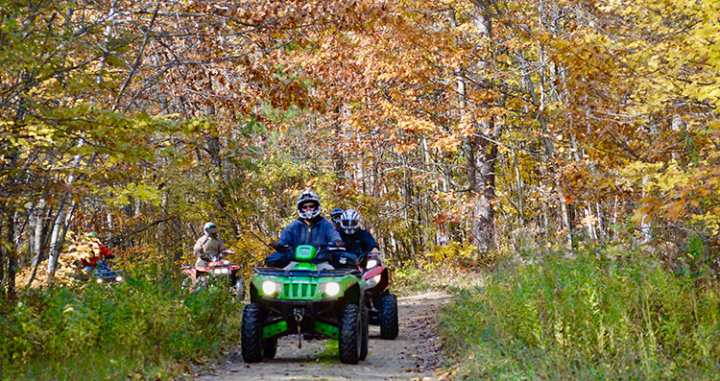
[
  {"x": 210, "y": 228},
  {"x": 308, "y": 197},
  {"x": 350, "y": 221}
]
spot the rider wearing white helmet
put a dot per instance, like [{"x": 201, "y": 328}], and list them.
[
  {"x": 357, "y": 240},
  {"x": 209, "y": 245}
]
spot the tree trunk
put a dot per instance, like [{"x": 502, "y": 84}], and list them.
[
  {"x": 645, "y": 227},
  {"x": 337, "y": 154},
  {"x": 483, "y": 152},
  {"x": 11, "y": 255},
  {"x": 564, "y": 213},
  {"x": 2, "y": 261},
  {"x": 40, "y": 239},
  {"x": 519, "y": 190},
  {"x": 601, "y": 222},
  {"x": 484, "y": 188}
]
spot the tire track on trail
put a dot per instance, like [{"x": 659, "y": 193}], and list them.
[{"x": 412, "y": 356}]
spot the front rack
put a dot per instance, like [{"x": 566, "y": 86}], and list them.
[{"x": 307, "y": 273}]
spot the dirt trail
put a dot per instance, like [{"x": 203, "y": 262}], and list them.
[{"x": 412, "y": 356}]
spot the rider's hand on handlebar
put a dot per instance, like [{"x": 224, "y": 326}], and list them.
[
  {"x": 277, "y": 246},
  {"x": 336, "y": 246}
]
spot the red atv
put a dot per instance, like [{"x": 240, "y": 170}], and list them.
[
  {"x": 382, "y": 304},
  {"x": 217, "y": 271}
]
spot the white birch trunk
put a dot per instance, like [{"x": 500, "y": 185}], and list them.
[{"x": 62, "y": 220}]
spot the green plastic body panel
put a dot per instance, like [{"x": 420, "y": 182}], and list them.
[
  {"x": 274, "y": 329},
  {"x": 326, "y": 329},
  {"x": 304, "y": 288},
  {"x": 306, "y": 266},
  {"x": 305, "y": 253}
]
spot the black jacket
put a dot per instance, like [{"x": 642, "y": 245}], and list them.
[{"x": 360, "y": 243}]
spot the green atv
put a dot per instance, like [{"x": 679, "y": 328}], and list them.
[{"x": 315, "y": 301}]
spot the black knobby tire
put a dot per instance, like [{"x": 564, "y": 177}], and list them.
[
  {"x": 270, "y": 348},
  {"x": 388, "y": 317},
  {"x": 350, "y": 335},
  {"x": 365, "y": 333},
  {"x": 251, "y": 334}
]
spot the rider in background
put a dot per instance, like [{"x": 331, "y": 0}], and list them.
[
  {"x": 209, "y": 245},
  {"x": 310, "y": 228},
  {"x": 357, "y": 240},
  {"x": 97, "y": 255},
  {"x": 335, "y": 216}
]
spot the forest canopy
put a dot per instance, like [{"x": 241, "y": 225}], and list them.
[{"x": 494, "y": 126}]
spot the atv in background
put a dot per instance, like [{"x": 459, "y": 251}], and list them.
[
  {"x": 312, "y": 300},
  {"x": 218, "y": 270},
  {"x": 104, "y": 274},
  {"x": 93, "y": 263},
  {"x": 381, "y": 303}
]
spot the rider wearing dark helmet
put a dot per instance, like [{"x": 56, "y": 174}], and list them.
[
  {"x": 310, "y": 228},
  {"x": 357, "y": 240},
  {"x": 335, "y": 216}
]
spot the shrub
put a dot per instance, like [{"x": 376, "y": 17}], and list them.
[
  {"x": 587, "y": 318},
  {"x": 139, "y": 326}
]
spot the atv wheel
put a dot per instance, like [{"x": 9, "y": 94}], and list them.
[
  {"x": 350, "y": 335},
  {"x": 201, "y": 283},
  {"x": 239, "y": 290},
  {"x": 365, "y": 334},
  {"x": 251, "y": 344},
  {"x": 186, "y": 284},
  {"x": 388, "y": 317},
  {"x": 270, "y": 348}
]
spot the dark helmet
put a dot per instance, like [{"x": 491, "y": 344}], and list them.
[
  {"x": 335, "y": 215},
  {"x": 350, "y": 221},
  {"x": 305, "y": 198}
]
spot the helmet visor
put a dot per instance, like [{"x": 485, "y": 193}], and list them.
[
  {"x": 349, "y": 226},
  {"x": 308, "y": 210}
]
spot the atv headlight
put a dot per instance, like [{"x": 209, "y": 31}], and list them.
[
  {"x": 221, "y": 271},
  {"x": 99, "y": 280},
  {"x": 371, "y": 263},
  {"x": 270, "y": 288},
  {"x": 332, "y": 288},
  {"x": 119, "y": 278}
]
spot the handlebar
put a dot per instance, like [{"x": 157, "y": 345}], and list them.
[
  {"x": 332, "y": 246},
  {"x": 218, "y": 257}
]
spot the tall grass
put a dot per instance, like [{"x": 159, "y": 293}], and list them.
[
  {"x": 588, "y": 318},
  {"x": 141, "y": 328}
]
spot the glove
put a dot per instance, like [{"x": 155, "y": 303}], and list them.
[
  {"x": 277, "y": 246},
  {"x": 277, "y": 260}
]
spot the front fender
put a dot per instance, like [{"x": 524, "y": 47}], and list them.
[{"x": 352, "y": 295}]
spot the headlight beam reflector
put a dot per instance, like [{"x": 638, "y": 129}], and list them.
[
  {"x": 332, "y": 288},
  {"x": 269, "y": 287}
]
